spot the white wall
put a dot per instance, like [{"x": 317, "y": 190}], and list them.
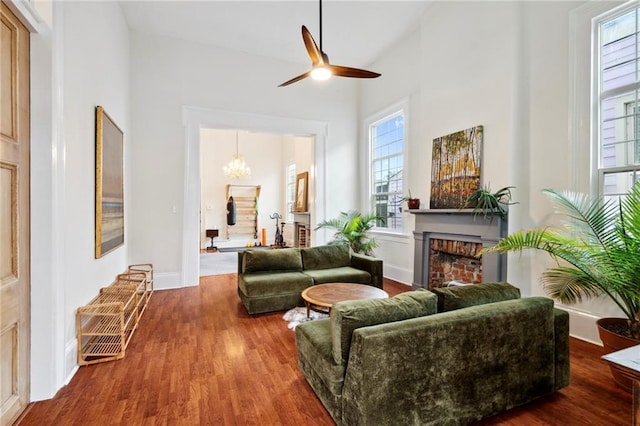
[
  {"x": 399, "y": 84},
  {"x": 104, "y": 80},
  {"x": 169, "y": 74}
]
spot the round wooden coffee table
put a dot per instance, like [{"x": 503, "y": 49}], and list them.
[{"x": 324, "y": 296}]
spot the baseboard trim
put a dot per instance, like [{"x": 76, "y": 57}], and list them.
[
  {"x": 582, "y": 325},
  {"x": 402, "y": 275}
]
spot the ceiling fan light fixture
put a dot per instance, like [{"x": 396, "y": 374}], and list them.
[{"x": 321, "y": 73}]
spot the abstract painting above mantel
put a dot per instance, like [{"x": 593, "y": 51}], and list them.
[{"x": 455, "y": 168}]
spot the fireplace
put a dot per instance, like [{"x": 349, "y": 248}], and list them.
[{"x": 447, "y": 243}]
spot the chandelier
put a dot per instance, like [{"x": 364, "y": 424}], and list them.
[{"x": 237, "y": 168}]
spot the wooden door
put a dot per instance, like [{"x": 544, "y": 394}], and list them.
[{"x": 14, "y": 216}]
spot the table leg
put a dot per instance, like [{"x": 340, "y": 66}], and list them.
[
  {"x": 308, "y": 309},
  {"x": 636, "y": 403}
]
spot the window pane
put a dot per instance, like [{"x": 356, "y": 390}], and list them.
[
  {"x": 291, "y": 190},
  {"x": 619, "y": 131},
  {"x": 386, "y": 139},
  {"x": 619, "y": 137},
  {"x": 616, "y": 184}
]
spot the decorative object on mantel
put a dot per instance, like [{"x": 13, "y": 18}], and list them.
[
  {"x": 488, "y": 203},
  {"x": 412, "y": 203},
  {"x": 455, "y": 168},
  {"x": 237, "y": 168},
  {"x": 352, "y": 228},
  {"x": 321, "y": 69},
  {"x": 600, "y": 239}
]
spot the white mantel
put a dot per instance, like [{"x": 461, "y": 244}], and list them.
[{"x": 458, "y": 225}]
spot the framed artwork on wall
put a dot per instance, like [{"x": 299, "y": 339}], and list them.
[
  {"x": 302, "y": 184},
  {"x": 109, "y": 185},
  {"x": 455, "y": 168}
]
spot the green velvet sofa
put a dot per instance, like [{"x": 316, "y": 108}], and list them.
[
  {"x": 448, "y": 357},
  {"x": 273, "y": 280}
]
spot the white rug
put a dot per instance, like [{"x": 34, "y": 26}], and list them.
[
  {"x": 218, "y": 263},
  {"x": 298, "y": 315}
]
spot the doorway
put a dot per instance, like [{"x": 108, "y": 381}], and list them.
[{"x": 197, "y": 119}]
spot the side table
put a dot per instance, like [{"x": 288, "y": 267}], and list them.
[
  {"x": 627, "y": 362},
  {"x": 212, "y": 233}
]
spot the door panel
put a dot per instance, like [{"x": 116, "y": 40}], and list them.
[{"x": 14, "y": 217}]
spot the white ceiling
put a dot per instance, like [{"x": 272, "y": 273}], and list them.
[{"x": 354, "y": 34}]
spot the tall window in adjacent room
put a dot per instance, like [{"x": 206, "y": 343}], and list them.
[
  {"x": 617, "y": 90},
  {"x": 386, "y": 142},
  {"x": 290, "y": 190}
]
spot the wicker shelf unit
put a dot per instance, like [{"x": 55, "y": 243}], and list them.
[{"x": 106, "y": 324}]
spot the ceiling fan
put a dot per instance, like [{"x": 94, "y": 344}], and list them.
[{"x": 321, "y": 69}]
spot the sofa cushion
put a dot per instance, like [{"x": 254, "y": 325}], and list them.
[
  {"x": 349, "y": 315},
  {"x": 272, "y": 260},
  {"x": 259, "y": 284},
  {"x": 324, "y": 257},
  {"x": 344, "y": 274},
  {"x": 457, "y": 297}
]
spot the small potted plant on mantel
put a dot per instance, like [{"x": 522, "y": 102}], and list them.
[
  {"x": 600, "y": 242},
  {"x": 412, "y": 203}
]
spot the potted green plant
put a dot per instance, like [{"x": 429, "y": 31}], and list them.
[
  {"x": 412, "y": 203},
  {"x": 352, "y": 228},
  {"x": 600, "y": 242},
  {"x": 488, "y": 203}
]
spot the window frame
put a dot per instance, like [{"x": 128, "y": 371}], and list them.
[
  {"x": 398, "y": 109},
  {"x": 290, "y": 190},
  {"x": 598, "y": 94}
]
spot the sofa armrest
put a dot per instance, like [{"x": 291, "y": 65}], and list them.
[
  {"x": 561, "y": 333},
  {"x": 370, "y": 264},
  {"x": 240, "y": 261}
]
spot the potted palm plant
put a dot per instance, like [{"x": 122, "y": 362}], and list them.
[
  {"x": 600, "y": 242},
  {"x": 352, "y": 228}
]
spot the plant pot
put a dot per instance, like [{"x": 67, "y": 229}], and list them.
[
  {"x": 413, "y": 203},
  {"x": 613, "y": 342}
]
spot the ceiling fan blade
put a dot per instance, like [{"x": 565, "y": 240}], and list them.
[
  {"x": 352, "y": 72},
  {"x": 294, "y": 79},
  {"x": 312, "y": 47}
]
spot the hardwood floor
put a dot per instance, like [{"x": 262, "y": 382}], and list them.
[{"x": 199, "y": 358}]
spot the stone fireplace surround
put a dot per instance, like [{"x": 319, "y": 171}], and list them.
[{"x": 457, "y": 225}]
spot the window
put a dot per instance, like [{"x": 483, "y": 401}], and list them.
[
  {"x": 618, "y": 94},
  {"x": 386, "y": 141},
  {"x": 290, "y": 190}
]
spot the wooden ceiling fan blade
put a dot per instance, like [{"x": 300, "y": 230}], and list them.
[
  {"x": 294, "y": 79},
  {"x": 352, "y": 72},
  {"x": 312, "y": 47}
]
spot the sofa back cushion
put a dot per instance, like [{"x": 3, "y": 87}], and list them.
[
  {"x": 349, "y": 315},
  {"x": 325, "y": 257},
  {"x": 458, "y": 297},
  {"x": 272, "y": 260}
]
